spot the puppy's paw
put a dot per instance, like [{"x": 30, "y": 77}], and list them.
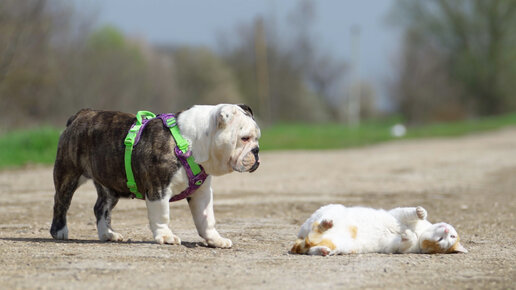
[
  {"x": 299, "y": 247},
  {"x": 325, "y": 225},
  {"x": 219, "y": 243},
  {"x": 421, "y": 213},
  {"x": 408, "y": 241},
  {"x": 408, "y": 236},
  {"x": 165, "y": 236},
  {"x": 320, "y": 251},
  {"x": 111, "y": 236},
  {"x": 62, "y": 234}
]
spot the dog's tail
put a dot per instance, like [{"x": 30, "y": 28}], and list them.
[{"x": 72, "y": 118}]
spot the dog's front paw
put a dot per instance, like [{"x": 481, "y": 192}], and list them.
[
  {"x": 421, "y": 212},
  {"x": 111, "y": 237},
  {"x": 219, "y": 243},
  {"x": 165, "y": 236}
]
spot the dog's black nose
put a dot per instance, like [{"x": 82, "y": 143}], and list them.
[{"x": 255, "y": 150}]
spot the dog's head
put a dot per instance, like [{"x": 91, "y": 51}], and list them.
[
  {"x": 228, "y": 139},
  {"x": 236, "y": 138}
]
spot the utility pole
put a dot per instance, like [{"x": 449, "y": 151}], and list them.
[
  {"x": 354, "y": 85},
  {"x": 262, "y": 69}
]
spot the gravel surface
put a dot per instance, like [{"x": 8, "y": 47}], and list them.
[{"x": 469, "y": 182}]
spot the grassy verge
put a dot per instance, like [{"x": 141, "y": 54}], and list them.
[
  {"x": 28, "y": 146},
  {"x": 333, "y": 136},
  {"x": 39, "y": 145}
]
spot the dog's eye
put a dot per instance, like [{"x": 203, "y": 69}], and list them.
[
  {"x": 453, "y": 236},
  {"x": 245, "y": 139},
  {"x": 440, "y": 239}
]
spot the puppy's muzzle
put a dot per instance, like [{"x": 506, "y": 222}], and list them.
[{"x": 256, "y": 158}]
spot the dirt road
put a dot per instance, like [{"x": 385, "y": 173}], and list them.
[{"x": 469, "y": 182}]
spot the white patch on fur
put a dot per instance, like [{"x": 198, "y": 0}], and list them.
[
  {"x": 158, "y": 212},
  {"x": 106, "y": 234},
  {"x": 201, "y": 206},
  {"x": 62, "y": 234}
]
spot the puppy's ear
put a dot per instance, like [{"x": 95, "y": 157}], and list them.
[
  {"x": 247, "y": 110},
  {"x": 225, "y": 116}
]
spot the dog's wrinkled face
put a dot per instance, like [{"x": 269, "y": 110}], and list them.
[{"x": 236, "y": 140}]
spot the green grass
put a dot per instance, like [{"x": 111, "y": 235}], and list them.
[
  {"x": 463, "y": 127},
  {"x": 28, "y": 146},
  {"x": 39, "y": 145},
  {"x": 333, "y": 136},
  {"x": 321, "y": 136}
]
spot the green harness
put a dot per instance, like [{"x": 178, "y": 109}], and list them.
[{"x": 195, "y": 172}]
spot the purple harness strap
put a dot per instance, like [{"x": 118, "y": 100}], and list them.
[{"x": 194, "y": 181}]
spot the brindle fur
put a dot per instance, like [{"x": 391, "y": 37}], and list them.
[{"x": 92, "y": 146}]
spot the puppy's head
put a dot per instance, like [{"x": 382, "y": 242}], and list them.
[
  {"x": 236, "y": 139},
  {"x": 440, "y": 238}
]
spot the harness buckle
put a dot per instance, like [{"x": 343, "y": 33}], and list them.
[
  {"x": 141, "y": 115},
  {"x": 171, "y": 122},
  {"x": 179, "y": 152},
  {"x": 131, "y": 136},
  {"x": 129, "y": 141}
]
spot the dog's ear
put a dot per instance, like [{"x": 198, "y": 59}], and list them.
[
  {"x": 225, "y": 116},
  {"x": 247, "y": 110}
]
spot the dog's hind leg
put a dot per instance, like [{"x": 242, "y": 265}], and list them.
[
  {"x": 106, "y": 201},
  {"x": 66, "y": 181}
]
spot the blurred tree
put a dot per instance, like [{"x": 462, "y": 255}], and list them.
[
  {"x": 54, "y": 61},
  {"x": 114, "y": 70},
  {"x": 25, "y": 40},
  {"x": 424, "y": 90},
  {"x": 320, "y": 71},
  {"x": 108, "y": 71},
  {"x": 52, "y": 64},
  {"x": 289, "y": 97},
  {"x": 203, "y": 78},
  {"x": 461, "y": 51},
  {"x": 301, "y": 80},
  {"x": 368, "y": 106}
]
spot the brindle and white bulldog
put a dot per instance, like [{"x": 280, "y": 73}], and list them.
[{"x": 223, "y": 138}]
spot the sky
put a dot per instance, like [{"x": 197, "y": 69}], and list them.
[{"x": 198, "y": 22}]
